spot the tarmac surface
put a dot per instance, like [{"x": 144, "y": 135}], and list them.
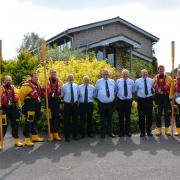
[{"x": 135, "y": 158}]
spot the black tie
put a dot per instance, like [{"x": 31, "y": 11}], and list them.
[
  {"x": 145, "y": 87},
  {"x": 125, "y": 89},
  {"x": 86, "y": 95},
  {"x": 72, "y": 94},
  {"x": 107, "y": 89}
]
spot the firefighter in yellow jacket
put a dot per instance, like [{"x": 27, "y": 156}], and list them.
[
  {"x": 162, "y": 88},
  {"x": 31, "y": 96},
  {"x": 10, "y": 106},
  {"x": 175, "y": 93}
]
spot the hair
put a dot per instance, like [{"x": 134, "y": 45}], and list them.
[
  {"x": 32, "y": 74},
  {"x": 105, "y": 70},
  {"x": 160, "y": 66},
  {"x": 144, "y": 70},
  {"x": 86, "y": 77},
  {"x": 70, "y": 75},
  {"x": 125, "y": 71},
  {"x": 7, "y": 76},
  {"x": 52, "y": 70}
]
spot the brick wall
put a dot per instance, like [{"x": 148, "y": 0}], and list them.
[{"x": 99, "y": 33}]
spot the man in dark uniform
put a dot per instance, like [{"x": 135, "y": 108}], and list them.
[
  {"x": 175, "y": 92},
  {"x": 10, "y": 108},
  {"x": 162, "y": 87},
  {"x": 31, "y": 96},
  {"x": 54, "y": 91}
]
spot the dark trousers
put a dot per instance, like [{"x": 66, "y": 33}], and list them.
[
  {"x": 86, "y": 112},
  {"x": 12, "y": 115},
  {"x": 30, "y": 127},
  {"x": 163, "y": 103},
  {"x": 70, "y": 119},
  {"x": 106, "y": 111},
  {"x": 54, "y": 105},
  {"x": 124, "y": 111},
  {"x": 178, "y": 117},
  {"x": 145, "y": 107}
]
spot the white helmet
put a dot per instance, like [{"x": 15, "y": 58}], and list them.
[{"x": 177, "y": 100}]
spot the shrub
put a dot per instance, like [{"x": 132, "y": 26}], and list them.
[{"x": 80, "y": 68}]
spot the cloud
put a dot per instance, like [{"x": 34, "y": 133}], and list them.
[{"x": 79, "y": 4}]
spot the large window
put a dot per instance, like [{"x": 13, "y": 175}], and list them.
[
  {"x": 110, "y": 58},
  {"x": 109, "y": 55},
  {"x": 99, "y": 55}
]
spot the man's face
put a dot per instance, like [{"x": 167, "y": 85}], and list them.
[
  {"x": 144, "y": 74},
  {"x": 105, "y": 74},
  {"x": 161, "y": 70},
  {"x": 71, "y": 78},
  {"x": 8, "y": 81},
  {"x": 35, "y": 78},
  {"x": 53, "y": 74},
  {"x": 125, "y": 75},
  {"x": 86, "y": 81}
]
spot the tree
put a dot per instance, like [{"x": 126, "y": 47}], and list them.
[
  {"x": 154, "y": 62},
  {"x": 21, "y": 68},
  {"x": 30, "y": 42}
]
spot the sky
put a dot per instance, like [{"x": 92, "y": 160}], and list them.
[{"x": 50, "y": 17}]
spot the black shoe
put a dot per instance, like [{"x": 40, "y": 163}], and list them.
[
  {"x": 149, "y": 134},
  {"x": 75, "y": 138},
  {"x": 128, "y": 134},
  {"x": 103, "y": 136},
  {"x": 142, "y": 135},
  {"x": 121, "y": 135},
  {"x": 82, "y": 136},
  {"x": 67, "y": 140},
  {"x": 112, "y": 135},
  {"x": 90, "y": 136}
]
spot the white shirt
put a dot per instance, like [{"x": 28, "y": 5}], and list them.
[
  {"x": 140, "y": 87},
  {"x": 91, "y": 93},
  {"x": 120, "y": 88},
  {"x": 66, "y": 92},
  {"x": 101, "y": 90}
]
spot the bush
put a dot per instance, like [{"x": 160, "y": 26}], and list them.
[
  {"x": 24, "y": 65},
  {"x": 80, "y": 68}
]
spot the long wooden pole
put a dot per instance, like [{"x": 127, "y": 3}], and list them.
[
  {"x": 172, "y": 107},
  {"x": 43, "y": 57},
  {"x": 1, "y": 124}
]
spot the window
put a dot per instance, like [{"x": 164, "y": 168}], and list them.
[
  {"x": 100, "y": 55},
  {"x": 111, "y": 59}
]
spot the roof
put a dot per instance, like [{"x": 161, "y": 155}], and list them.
[
  {"x": 101, "y": 23},
  {"x": 113, "y": 39}
]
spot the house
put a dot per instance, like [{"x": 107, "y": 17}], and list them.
[{"x": 108, "y": 39}]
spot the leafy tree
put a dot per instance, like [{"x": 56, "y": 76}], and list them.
[
  {"x": 20, "y": 68},
  {"x": 30, "y": 42},
  {"x": 55, "y": 54}
]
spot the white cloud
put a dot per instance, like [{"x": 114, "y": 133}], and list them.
[{"x": 20, "y": 18}]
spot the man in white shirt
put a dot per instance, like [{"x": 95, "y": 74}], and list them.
[
  {"x": 105, "y": 91},
  {"x": 70, "y": 93},
  {"x": 86, "y": 98},
  {"x": 144, "y": 89},
  {"x": 125, "y": 87}
]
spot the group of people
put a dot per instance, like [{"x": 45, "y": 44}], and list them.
[{"x": 77, "y": 100}]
